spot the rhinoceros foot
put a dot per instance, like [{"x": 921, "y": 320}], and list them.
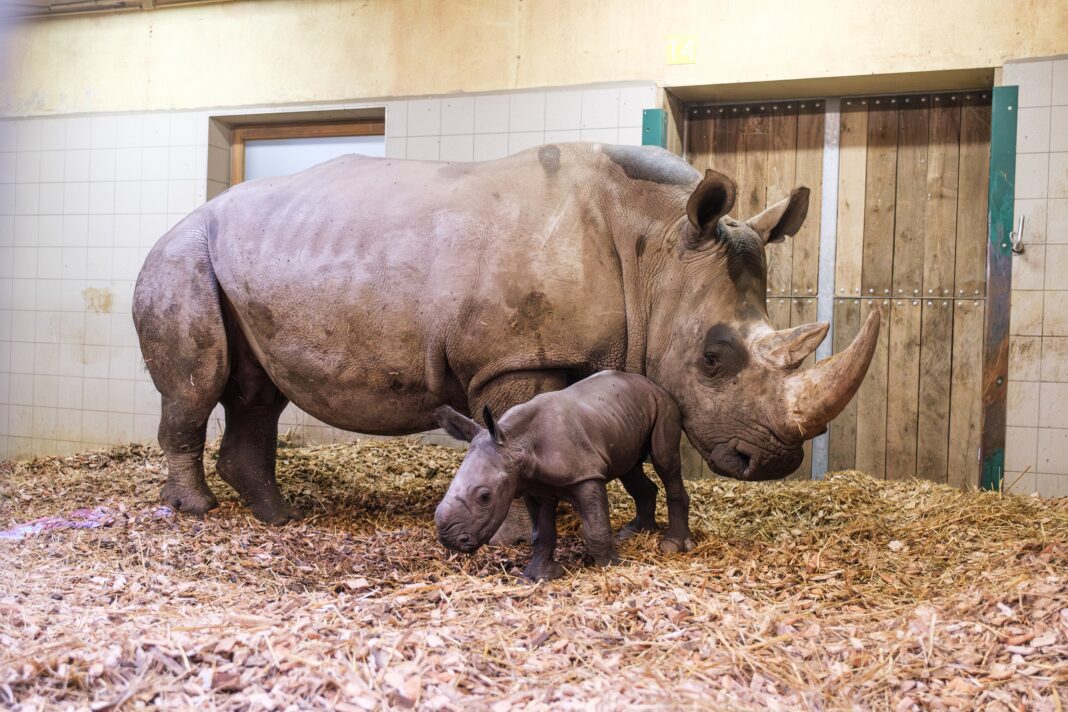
[
  {"x": 675, "y": 545},
  {"x": 543, "y": 571},
  {"x": 275, "y": 513},
  {"x": 188, "y": 499},
  {"x": 634, "y": 527}
]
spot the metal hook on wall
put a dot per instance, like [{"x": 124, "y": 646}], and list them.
[{"x": 1016, "y": 236}]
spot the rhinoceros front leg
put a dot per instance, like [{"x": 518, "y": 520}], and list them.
[
  {"x": 500, "y": 394},
  {"x": 643, "y": 491},
  {"x": 543, "y": 565},
  {"x": 664, "y": 452}
]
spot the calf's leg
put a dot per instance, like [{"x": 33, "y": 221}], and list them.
[
  {"x": 664, "y": 451},
  {"x": 591, "y": 500},
  {"x": 543, "y": 565},
  {"x": 643, "y": 491}
]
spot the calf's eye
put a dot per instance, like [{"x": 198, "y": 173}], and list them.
[{"x": 484, "y": 496}]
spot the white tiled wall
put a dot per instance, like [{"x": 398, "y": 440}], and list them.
[
  {"x": 82, "y": 199},
  {"x": 1037, "y": 438}
]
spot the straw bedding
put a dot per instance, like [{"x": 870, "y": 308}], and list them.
[{"x": 848, "y": 593}]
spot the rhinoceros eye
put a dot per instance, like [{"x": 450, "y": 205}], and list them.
[
  {"x": 484, "y": 496},
  {"x": 723, "y": 354}
]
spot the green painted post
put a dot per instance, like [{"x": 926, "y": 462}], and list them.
[
  {"x": 1001, "y": 198},
  {"x": 654, "y": 128}
]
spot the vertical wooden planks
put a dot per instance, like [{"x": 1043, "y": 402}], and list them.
[
  {"x": 902, "y": 388},
  {"x": 809, "y": 172},
  {"x": 727, "y": 146},
  {"x": 699, "y": 139},
  {"x": 779, "y": 311},
  {"x": 932, "y": 425},
  {"x": 911, "y": 198},
  {"x": 842, "y": 453},
  {"x": 852, "y": 173},
  {"x": 871, "y": 399},
  {"x": 752, "y": 178},
  {"x": 880, "y": 192},
  {"x": 940, "y": 236},
  {"x": 803, "y": 311},
  {"x": 781, "y": 166},
  {"x": 972, "y": 195},
  {"x": 965, "y": 406}
]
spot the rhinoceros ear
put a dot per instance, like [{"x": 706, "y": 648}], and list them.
[
  {"x": 456, "y": 425},
  {"x": 712, "y": 199},
  {"x": 783, "y": 219},
  {"x": 491, "y": 425}
]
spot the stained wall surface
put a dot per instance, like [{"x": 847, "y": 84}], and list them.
[
  {"x": 281, "y": 51},
  {"x": 83, "y": 199}
]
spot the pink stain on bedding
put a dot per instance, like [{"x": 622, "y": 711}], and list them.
[{"x": 78, "y": 519}]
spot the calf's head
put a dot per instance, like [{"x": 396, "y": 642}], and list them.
[
  {"x": 481, "y": 493},
  {"x": 746, "y": 405}
]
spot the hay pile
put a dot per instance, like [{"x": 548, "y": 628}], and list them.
[{"x": 842, "y": 594}]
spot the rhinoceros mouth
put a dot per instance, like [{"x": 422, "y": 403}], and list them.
[
  {"x": 742, "y": 461},
  {"x": 458, "y": 540}
]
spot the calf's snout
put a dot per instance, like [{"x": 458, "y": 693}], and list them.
[{"x": 452, "y": 533}]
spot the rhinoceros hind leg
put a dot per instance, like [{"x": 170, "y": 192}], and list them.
[
  {"x": 247, "y": 453},
  {"x": 179, "y": 323},
  {"x": 181, "y": 436},
  {"x": 643, "y": 491}
]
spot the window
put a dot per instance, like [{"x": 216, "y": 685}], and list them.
[{"x": 284, "y": 149}]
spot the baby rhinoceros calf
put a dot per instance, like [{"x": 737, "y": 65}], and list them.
[{"x": 567, "y": 445}]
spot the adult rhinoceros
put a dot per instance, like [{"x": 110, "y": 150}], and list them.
[{"x": 371, "y": 291}]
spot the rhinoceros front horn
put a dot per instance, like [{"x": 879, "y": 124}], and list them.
[{"x": 814, "y": 397}]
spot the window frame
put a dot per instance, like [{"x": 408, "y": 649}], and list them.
[{"x": 259, "y": 132}]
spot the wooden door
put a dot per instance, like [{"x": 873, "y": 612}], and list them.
[{"x": 911, "y": 243}]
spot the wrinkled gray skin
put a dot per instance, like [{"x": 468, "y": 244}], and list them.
[
  {"x": 370, "y": 292},
  {"x": 568, "y": 445}
]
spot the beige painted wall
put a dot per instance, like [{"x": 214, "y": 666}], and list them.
[{"x": 281, "y": 51}]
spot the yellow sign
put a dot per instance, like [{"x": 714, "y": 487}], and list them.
[{"x": 681, "y": 49}]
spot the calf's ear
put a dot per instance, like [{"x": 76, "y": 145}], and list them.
[
  {"x": 491, "y": 425},
  {"x": 711, "y": 200},
  {"x": 457, "y": 425},
  {"x": 783, "y": 219}
]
